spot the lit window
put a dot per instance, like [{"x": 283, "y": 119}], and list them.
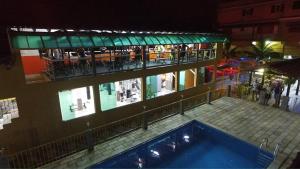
[
  {"x": 205, "y": 74},
  {"x": 160, "y": 85},
  {"x": 76, "y": 103},
  {"x": 187, "y": 79},
  {"x": 8, "y": 111},
  {"x": 120, "y": 93}
]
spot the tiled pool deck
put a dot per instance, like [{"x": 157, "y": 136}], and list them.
[{"x": 247, "y": 120}]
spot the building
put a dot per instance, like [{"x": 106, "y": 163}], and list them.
[
  {"x": 65, "y": 81},
  {"x": 276, "y": 21}
]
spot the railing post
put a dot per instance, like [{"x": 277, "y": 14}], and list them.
[
  {"x": 3, "y": 159},
  {"x": 209, "y": 97},
  {"x": 181, "y": 108},
  {"x": 145, "y": 119},
  {"x": 229, "y": 91},
  {"x": 89, "y": 138}
]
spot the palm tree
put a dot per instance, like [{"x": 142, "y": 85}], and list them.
[
  {"x": 230, "y": 51},
  {"x": 262, "y": 51}
]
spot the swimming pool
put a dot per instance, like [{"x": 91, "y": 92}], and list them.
[{"x": 193, "y": 145}]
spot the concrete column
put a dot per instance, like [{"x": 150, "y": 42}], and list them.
[
  {"x": 144, "y": 88},
  {"x": 298, "y": 85},
  {"x": 181, "y": 108},
  {"x": 229, "y": 91},
  {"x": 145, "y": 118},
  {"x": 94, "y": 63},
  {"x": 209, "y": 95}
]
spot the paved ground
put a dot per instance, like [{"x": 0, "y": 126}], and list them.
[{"x": 247, "y": 120}]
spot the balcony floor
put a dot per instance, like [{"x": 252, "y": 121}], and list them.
[{"x": 246, "y": 120}]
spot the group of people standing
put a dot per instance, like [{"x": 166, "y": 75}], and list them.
[{"x": 263, "y": 93}]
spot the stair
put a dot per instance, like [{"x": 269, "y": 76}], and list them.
[{"x": 263, "y": 160}]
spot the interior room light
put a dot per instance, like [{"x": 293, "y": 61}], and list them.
[
  {"x": 123, "y": 32},
  {"x": 54, "y": 30},
  {"x": 41, "y": 30},
  {"x": 70, "y": 30},
  {"x": 14, "y": 29},
  {"x": 26, "y": 29}
]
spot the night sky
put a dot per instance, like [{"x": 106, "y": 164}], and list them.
[{"x": 184, "y": 15}]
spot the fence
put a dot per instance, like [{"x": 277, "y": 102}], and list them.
[{"x": 52, "y": 151}]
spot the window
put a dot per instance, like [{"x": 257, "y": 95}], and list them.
[
  {"x": 247, "y": 12},
  {"x": 120, "y": 93},
  {"x": 76, "y": 103},
  {"x": 187, "y": 79},
  {"x": 277, "y": 8},
  {"x": 205, "y": 74},
  {"x": 159, "y": 85},
  {"x": 296, "y": 5},
  {"x": 8, "y": 110}
]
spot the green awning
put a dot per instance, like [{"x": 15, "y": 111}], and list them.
[
  {"x": 49, "y": 41},
  {"x": 63, "y": 42},
  {"x": 151, "y": 40},
  {"x": 76, "y": 41}
]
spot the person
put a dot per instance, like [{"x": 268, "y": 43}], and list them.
[
  {"x": 254, "y": 90},
  {"x": 173, "y": 53},
  {"x": 268, "y": 93},
  {"x": 277, "y": 93},
  {"x": 182, "y": 52},
  {"x": 82, "y": 60},
  {"x": 138, "y": 55}
]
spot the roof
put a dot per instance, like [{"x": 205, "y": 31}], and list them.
[
  {"x": 29, "y": 39},
  {"x": 290, "y": 68}
]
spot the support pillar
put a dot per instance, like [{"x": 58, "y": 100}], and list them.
[
  {"x": 229, "y": 91},
  {"x": 209, "y": 94},
  {"x": 298, "y": 85},
  {"x": 145, "y": 118},
  {"x": 181, "y": 108}
]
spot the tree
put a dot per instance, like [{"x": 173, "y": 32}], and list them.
[
  {"x": 230, "y": 51},
  {"x": 262, "y": 51}
]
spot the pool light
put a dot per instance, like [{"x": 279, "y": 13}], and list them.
[
  {"x": 186, "y": 138},
  {"x": 154, "y": 153}
]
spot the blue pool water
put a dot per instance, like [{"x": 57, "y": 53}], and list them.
[{"x": 194, "y": 145}]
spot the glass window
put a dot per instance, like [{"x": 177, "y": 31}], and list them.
[
  {"x": 205, "y": 74},
  {"x": 187, "y": 79},
  {"x": 76, "y": 103},
  {"x": 159, "y": 85},
  {"x": 296, "y": 5},
  {"x": 8, "y": 110},
  {"x": 120, "y": 93}
]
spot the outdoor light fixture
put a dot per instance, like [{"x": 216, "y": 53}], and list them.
[
  {"x": 268, "y": 42},
  {"x": 254, "y": 43}
]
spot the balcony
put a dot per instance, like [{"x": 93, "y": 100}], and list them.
[{"x": 72, "y": 65}]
